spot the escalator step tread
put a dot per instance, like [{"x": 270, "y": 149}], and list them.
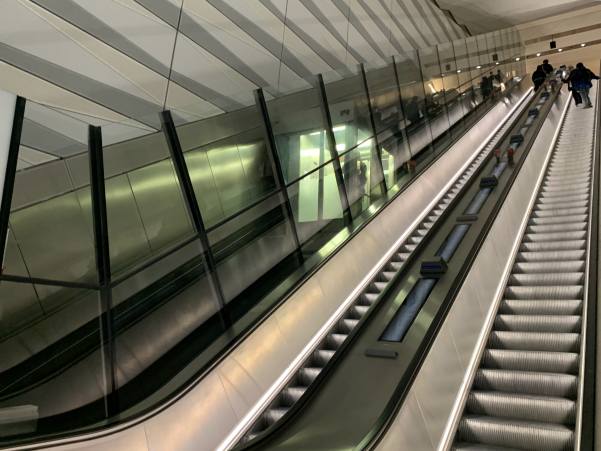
[{"x": 527, "y": 382}]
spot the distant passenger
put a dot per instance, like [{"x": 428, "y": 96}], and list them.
[
  {"x": 499, "y": 76},
  {"x": 412, "y": 110},
  {"x": 485, "y": 87},
  {"x": 547, "y": 67},
  {"x": 581, "y": 78},
  {"x": 538, "y": 77},
  {"x": 575, "y": 94}
]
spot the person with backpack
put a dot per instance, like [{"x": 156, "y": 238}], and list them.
[
  {"x": 575, "y": 94},
  {"x": 547, "y": 67},
  {"x": 538, "y": 77},
  {"x": 580, "y": 79}
]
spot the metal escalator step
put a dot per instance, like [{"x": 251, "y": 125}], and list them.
[
  {"x": 359, "y": 310},
  {"x": 321, "y": 357},
  {"x": 408, "y": 247},
  {"x": 421, "y": 232},
  {"x": 273, "y": 415},
  {"x": 557, "y": 228},
  {"x": 523, "y": 435},
  {"x": 403, "y": 256},
  {"x": 559, "y": 212},
  {"x": 547, "y": 267},
  {"x": 563, "y": 188},
  {"x": 464, "y": 446},
  {"x": 544, "y": 292},
  {"x": 379, "y": 286},
  {"x": 367, "y": 299},
  {"x": 291, "y": 395},
  {"x": 562, "y": 193},
  {"x": 519, "y": 406},
  {"x": 550, "y": 256},
  {"x": 545, "y": 246},
  {"x": 334, "y": 340},
  {"x": 561, "y": 205},
  {"x": 387, "y": 275},
  {"x": 395, "y": 266},
  {"x": 550, "y": 362},
  {"x": 558, "y": 220},
  {"x": 307, "y": 375},
  {"x": 534, "y": 341},
  {"x": 541, "y": 307},
  {"x": 527, "y": 382},
  {"x": 347, "y": 325},
  {"x": 538, "y": 278},
  {"x": 415, "y": 239},
  {"x": 538, "y": 323},
  {"x": 560, "y": 199},
  {"x": 573, "y": 235}
]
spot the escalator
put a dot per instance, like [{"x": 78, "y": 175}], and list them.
[
  {"x": 57, "y": 364},
  {"x": 379, "y": 337},
  {"x": 526, "y": 392}
]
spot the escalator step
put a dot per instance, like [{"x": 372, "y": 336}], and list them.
[
  {"x": 519, "y": 406},
  {"x": 549, "y": 267},
  {"x": 347, "y": 325},
  {"x": 538, "y": 323},
  {"x": 569, "y": 212},
  {"x": 540, "y": 307},
  {"x": 291, "y": 395},
  {"x": 551, "y": 256},
  {"x": 534, "y": 341},
  {"x": 553, "y": 228},
  {"x": 544, "y": 292},
  {"x": 549, "y": 278},
  {"x": 516, "y": 434},
  {"x": 273, "y": 415},
  {"x": 573, "y": 203},
  {"x": 334, "y": 340},
  {"x": 527, "y": 382},
  {"x": 548, "y": 246},
  {"x": 580, "y": 219},
  {"x": 307, "y": 375},
  {"x": 321, "y": 357},
  {"x": 557, "y": 236}
]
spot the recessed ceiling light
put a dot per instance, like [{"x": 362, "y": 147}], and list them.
[
  {"x": 478, "y": 67},
  {"x": 518, "y": 58},
  {"x": 497, "y": 63},
  {"x": 538, "y": 54},
  {"x": 582, "y": 45},
  {"x": 560, "y": 50},
  {"x": 458, "y": 71}
]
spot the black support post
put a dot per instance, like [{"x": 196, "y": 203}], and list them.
[
  {"x": 185, "y": 183},
  {"x": 331, "y": 140},
  {"x": 373, "y": 126},
  {"x": 103, "y": 262},
  {"x": 277, "y": 168},
  {"x": 9, "y": 178},
  {"x": 402, "y": 107}
]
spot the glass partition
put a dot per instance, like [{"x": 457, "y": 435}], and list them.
[{"x": 210, "y": 222}]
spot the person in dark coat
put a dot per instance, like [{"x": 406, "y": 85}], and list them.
[
  {"x": 538, "y": 77},
  {"x": 580, "y": 79},
  {"x": 575, "y": 94},
  {"x": 547, "y": 67}
]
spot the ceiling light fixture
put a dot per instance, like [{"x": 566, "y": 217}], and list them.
[
  {"x": 560, "y": 50},
  {"x": 538, "y": 54},
  {"x": 458, "y": 71},
  {"x": 478, "y": 67},
  {"x": 582, "y": 45},
  {"x": 518, "y": 58},
  {"x": 497, "y": 63}
]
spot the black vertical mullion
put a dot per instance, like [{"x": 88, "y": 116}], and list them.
[
  {"x": 10, "y": 174},
  {"x": 277, "y": 168},
  {"x": 185, "y": 183},
  {"x": 402, "y": 107},
  {"x": 426, "y": 118},
  {"x": 331, "y": 140},
  {"x": 103, "y": 262},
  {"x": 373, "y": 126}
]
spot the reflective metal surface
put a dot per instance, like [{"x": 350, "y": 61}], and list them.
[{"x": 204, "y": 416}]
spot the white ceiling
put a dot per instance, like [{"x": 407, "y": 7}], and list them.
[{"x": 486, "y": 15}]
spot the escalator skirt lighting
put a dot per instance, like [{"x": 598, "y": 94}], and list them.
[
  {"x": 451, "y": 243},
  {"x": 403, "y": 318}
]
